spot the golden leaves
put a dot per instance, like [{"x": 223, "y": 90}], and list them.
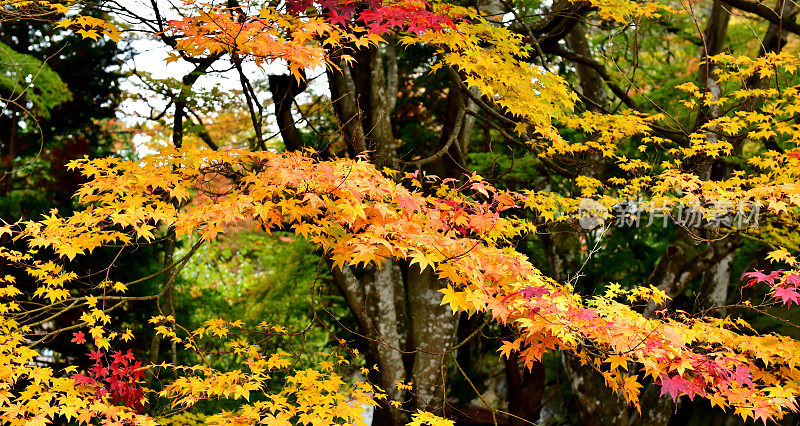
[
  {"x": 623, "y": 11},
  {"x": 308, "y": 396},
  {"x": 91, "y": 27},
  {"x": 423, "y": 418},
  {"x": 361, "y": 217},
  {"x": 491, "y": 59}
]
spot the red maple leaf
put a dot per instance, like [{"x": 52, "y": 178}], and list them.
[
  {"x": 742, "y": 376},
  {"x": 673, "y": 386},
  {"x": 758, "y": 276},
  {"x": 786, "y": 295},
  {"x": 117, "y": 358},
  {"x": 585, "y": 314},
  {"x": 78, "y": 337},
  {"x": 297, "y": 6},
  {"x": 409, "y": 204},
  {"x": 96, "y": 356},
  {"x": 120, "y": 381},
  {"x": 653, "y": 342},
  {"x": 695, "y": 387},
  {"x": 530, "y": 291},
  {"x": 82, "y": 380}
]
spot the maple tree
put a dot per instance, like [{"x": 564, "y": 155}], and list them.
[{"x": 412, "y": 239}]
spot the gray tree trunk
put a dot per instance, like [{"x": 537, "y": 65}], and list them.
[{"x": 397, "y": 306}]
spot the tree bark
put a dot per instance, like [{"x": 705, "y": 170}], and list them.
[
  {"x": 397, "y": 306},
  {"x": 372, "y": 296},
  {"x": 284, "y": 88},
  {"x": 432, "y": 331},
  {"x": 599, "y": 406},
  {"x": 525, "y": 391},
  {"x": 345, "y": 106},
  {"x": 165, "y": 302},
  {"x": 167, "y": 293}
]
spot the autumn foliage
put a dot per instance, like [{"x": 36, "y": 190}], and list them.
[{"x": 465, "y": 230}]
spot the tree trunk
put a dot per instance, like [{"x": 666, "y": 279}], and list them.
[
  {"x": 166, "y": 302},
  {"x": 597, "y": 404},
  {"x": 397, "y": 306},
  {"x": 372, "y": 295},
  {"x": 714, "y": 288},
  {"x": 432, "y": 330},
  {"x": 525, "y": 391},
  {"x": 284, "y": 88}
]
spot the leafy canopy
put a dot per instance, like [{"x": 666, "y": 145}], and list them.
[{"x": 464, "y": 231}]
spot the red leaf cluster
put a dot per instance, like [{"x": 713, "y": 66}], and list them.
[
  {"x": 414, "y": 16},
  {"x": 120, "y": 380},
  {"x": 784, "y": 284}
]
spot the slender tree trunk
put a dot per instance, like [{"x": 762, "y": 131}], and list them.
[
  {"x": 717, "y": 279},
  {"x": 166, "y": 301},
  {"x": 284, "y": 88}
]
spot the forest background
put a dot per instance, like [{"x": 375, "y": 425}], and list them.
[{"x": 615, "y": 145}]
